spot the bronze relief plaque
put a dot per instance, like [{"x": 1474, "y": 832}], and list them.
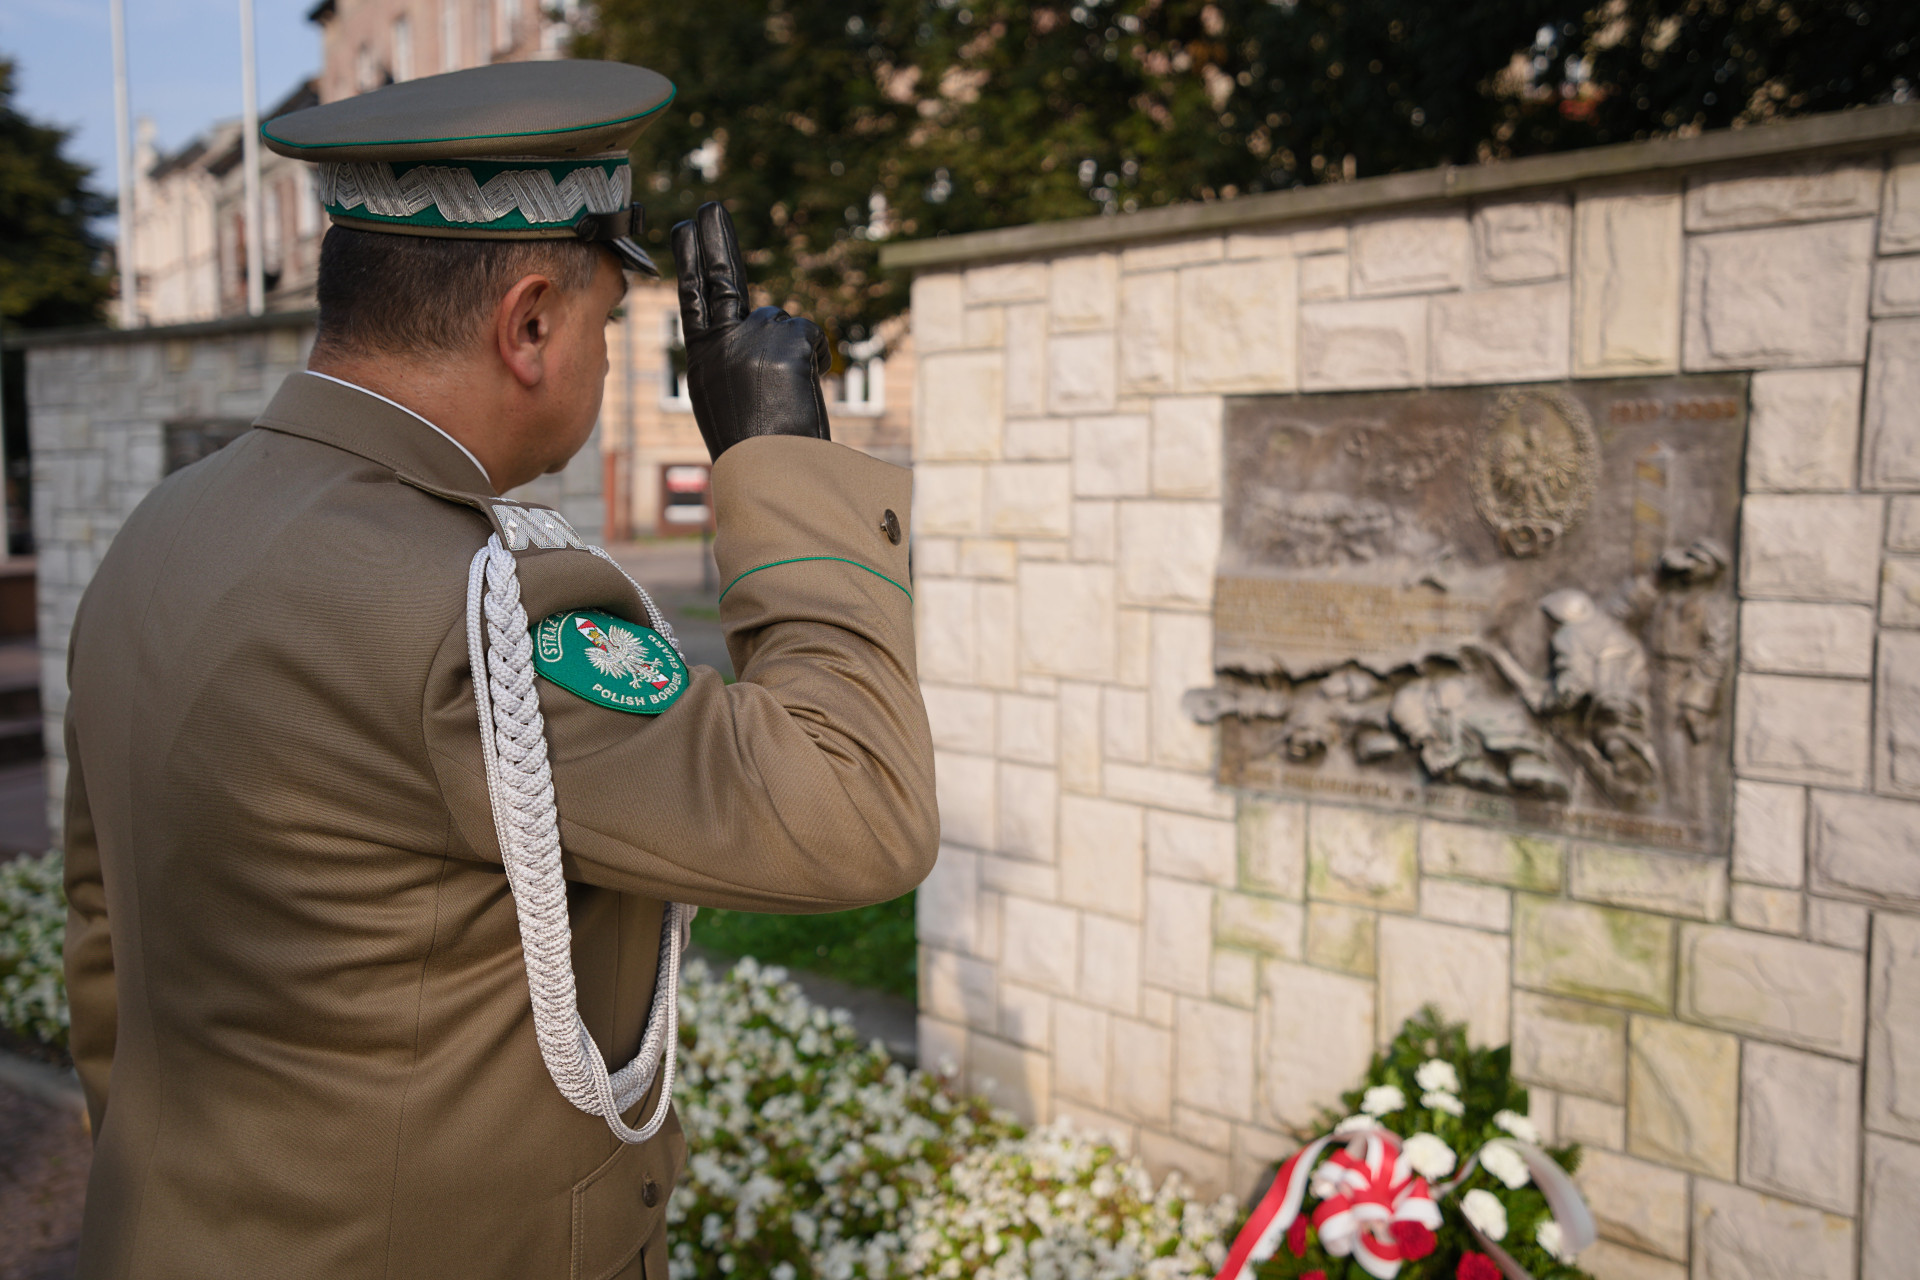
[{"x": 1509, "y": 604}]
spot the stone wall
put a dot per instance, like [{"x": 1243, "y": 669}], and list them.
[
  {"x": 97, "y": 406},
  {"x": 1111, "y": 936}
]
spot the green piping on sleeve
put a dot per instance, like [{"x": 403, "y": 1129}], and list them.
[{"x": 771, "y": 564}]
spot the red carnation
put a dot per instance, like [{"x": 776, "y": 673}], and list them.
[
  {"x": 1314, "y": 1275},
  {"x": 1415, "y": 1241},
  {"x": 1477, "y": 1266},
  {"x": 1297, "y": 1237}
]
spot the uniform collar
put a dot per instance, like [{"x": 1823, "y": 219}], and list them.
[{"x": 335, "y": 412}]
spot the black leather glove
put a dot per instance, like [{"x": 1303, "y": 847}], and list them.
[{"x": 748, "y": 374}]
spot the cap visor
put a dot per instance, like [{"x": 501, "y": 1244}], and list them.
[{"x": 633, "y": 257}]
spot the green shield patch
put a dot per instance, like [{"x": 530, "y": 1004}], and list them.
[{"x": 613, "y": 663}]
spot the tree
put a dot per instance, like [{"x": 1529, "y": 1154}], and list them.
[{"x": 50, "y": 259}]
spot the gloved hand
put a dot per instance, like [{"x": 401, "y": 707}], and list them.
[{"x": 748, "y": 374}]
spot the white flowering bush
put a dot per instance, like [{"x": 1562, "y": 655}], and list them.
[
  {"x": 813, "y": 1156},
  {"x": 33, "y": 929}
]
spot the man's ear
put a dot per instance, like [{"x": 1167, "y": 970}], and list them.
[{"x": 522, "y": 325}]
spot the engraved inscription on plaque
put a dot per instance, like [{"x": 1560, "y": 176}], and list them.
[{"x": 1514, "y": 604}]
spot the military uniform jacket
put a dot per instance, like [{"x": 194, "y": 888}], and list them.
[{"x": 300, "y": 1010}]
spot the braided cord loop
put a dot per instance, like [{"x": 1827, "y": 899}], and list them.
[{"x": 513, "y": 745}]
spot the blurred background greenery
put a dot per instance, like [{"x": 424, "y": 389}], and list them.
[{"x": 870, "y": 947}]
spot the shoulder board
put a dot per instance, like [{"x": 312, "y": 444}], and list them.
[{"x": 522, "y": 526}]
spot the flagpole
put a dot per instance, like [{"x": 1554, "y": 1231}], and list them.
[
  {"x": 123, "y": 138},
  {"x": 250, "y": 151}
]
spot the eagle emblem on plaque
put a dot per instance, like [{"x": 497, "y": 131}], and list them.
[{"x": 616, "y": 651}]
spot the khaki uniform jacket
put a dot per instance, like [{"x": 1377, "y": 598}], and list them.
[{"x": 300, "y": 1011}]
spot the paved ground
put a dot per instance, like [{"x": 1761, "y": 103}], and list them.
[
  {"x": 23, "y": 808},
  {"x": 680, "y": 577},
  {"x": 44, "y": 1156}
]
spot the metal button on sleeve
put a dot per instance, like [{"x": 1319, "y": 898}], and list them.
[{"x": 890, "y": 525}]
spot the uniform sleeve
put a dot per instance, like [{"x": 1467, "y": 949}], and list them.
[
  {"x": 91, "y": 998},
  {"x": 807, "y": 785}
]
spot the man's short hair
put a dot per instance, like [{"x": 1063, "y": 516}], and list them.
[{"x": 387, "y": 294}]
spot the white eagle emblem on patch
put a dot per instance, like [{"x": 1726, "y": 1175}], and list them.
[{"x": 616, "y": 651}]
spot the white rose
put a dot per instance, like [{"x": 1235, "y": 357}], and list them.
[
  {"x": 1484, "y": 1210},
  {"x": 1383, "y": 1098},
  {"x": 1355, "y": 1124},
  {"x": 1506, "y": 1164},
  {"x": 1437, "y": 1101},
  {"x": 1431, "y": 1158},
  {"x": 1517, "y": 1125},
  {"x": 1549, "y": 1237},
  {"x": 1438, "y": 1073}
]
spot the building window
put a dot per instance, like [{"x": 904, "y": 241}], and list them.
[
  {"x": 402, "y": 48},
  {"x": 270, "y": 232},
  {"x": 673, "y": 365},
  {"x": 449, "y": 36},
  {"x": 860, "y": 388}
]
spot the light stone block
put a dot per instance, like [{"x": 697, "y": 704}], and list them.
[
  {"x": 1267, "y": 925},
  {"x": 1171, "y": 253},
  {"x": 1898, "y": 699},
  {"x": 1769, "y": 833},
  {"x": 1344, "y": 938},
  {"x": 1645, "y": 881},
  {"x": 1134, "y": 643},
  {"x": 992, "y": 558},
  {"x": 1594, "y": 953},
  {"x": 1900, "y": 205},
  {"x": 935, "y": 557},
  {"x": 1837, "y": 924},
  {"x": 1009, "y": 1076},
  {"x": 1080, "y": 756},
  {"x": 1591, "y": 1123},
  {"x": 1754, "y": 906},
  {"x": 1865, "y": 848},
  {"x": 942, "y": 1046},
  {"x": 1156, "y": 1006},
  {"x": 957, "y": 988},
  {"x": 948, "y": 499},
  {"x": 1169, "y": 552},
  {"x": 1773, "y": 988},
  {"x": 1165, "y": 789},
  {"x": 1786, "y": 638},
  {"x": 1605, "y": 1260},
  {"x": 1026, "y": 1016},
  {"x": 1110, "y": 963},
  {"x": 1189, "y": 848},
  {"x": 1187, "y": 437},
  {"x": 1743, "y": 1235},
  {"x": 1299, "y": 1074},
  {"x": 1810, "y": 547},
  {"x": 1896, "y": 287},
  {"x": 1032, "y": 499},
  {"x": 1236, "y": 977},
  {"x": 1110, "y": 457},
  {"x": 1237, "y": 326},
  {"x": 1417, "y": 253},
  {"x": 1463, "y": 972},
  {"x": 1028, "y": 798},
  {"x": 985, "y": 327},
  {"x": 1683, "y": 1089},
  {"x": 1021, "y": 877},
  {"x": 1797, "y": 191},
  {"x": 1181, "y": 658},
  {"x": 1900, "y": 591},
  {"x": 1889, "y": 1227},
  {"x": 1520, "y": 333},
  {"x": 961, "y": 407},
  {"x": 1026, "y": 354},
  {"x": 1636, "y": 1203},
  {"x": 1893, "y": 1027},
  {"x": 1520, "y": 241},
  {"x": 1626, "y": 284},
  {"x": 1799, "y": 1126},
  {"x": 1095, "y": 537},
  {"x": 1793, "y": 729},
  {"x": 1081, "y": 373},
  {"x": 1214, "y": 1060},
  {"x": 1140, "y": 1075},
  {"x": 1477, "y": 906},
  {"x": 961, "y": 719},
  {"x": 1026, "y": 729},
  {"x": 1101, "y": 861},
  {"x": 1903, "y": 524},
  {"x": 1178, "y": 948},
  {"x": 964, "y": 789},
  {"x": 1007, "y": 282},
  {"x": 1779, "y": 296},
  {"x": 1325, "y": 277},
  {"x": 1362, "y": 345},
  {"x": 1123, "y": 725},
  {"x": 945, "y": 908},
  {"x": 947, "y": 634},
  {"x": 996, "y": 663},
  {"x": 1037, "y": 440},
  {"x": 1242, "y": 245},
  {"x": 1890, "y": 428},
  {"x": 1362, "y": 858},
  {"x": 1481, "y": 853},
  {"x": 1041, "y": 943},
  {"x": 1085, "y": 292},
  {"x": 1149, "y": 316},
  {"x": 1803, "y": 430},
  {"x": 937, "y": 312},
  {"x": 1203, "y": 1170},
  {"x": 1273, "y": 847},
  {"x": 1080, "y": 1069},
  {"x": 1066, "y": 623}
]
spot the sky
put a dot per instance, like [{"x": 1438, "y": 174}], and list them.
[{"x": 183, "y": 65}]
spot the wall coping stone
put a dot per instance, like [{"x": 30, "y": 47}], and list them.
[
  {"x": 93, "y": 335},
  {"x": 1832, "y": 134}
]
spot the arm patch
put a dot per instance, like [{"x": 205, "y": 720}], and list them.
[{"x": 608, "y": 661}]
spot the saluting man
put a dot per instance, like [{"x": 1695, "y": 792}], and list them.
[{"x": 389, "y": 797}]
